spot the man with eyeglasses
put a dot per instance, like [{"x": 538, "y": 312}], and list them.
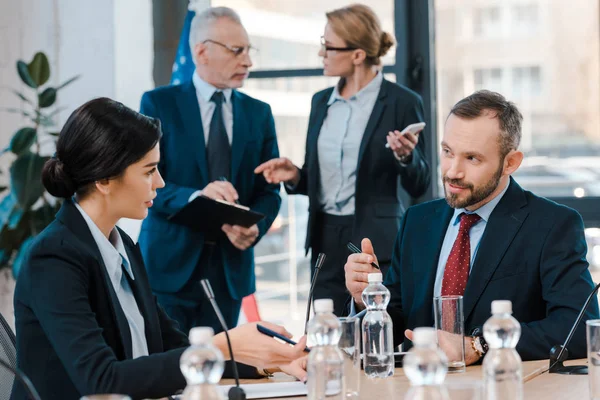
[{"x": 213, "y": 139}]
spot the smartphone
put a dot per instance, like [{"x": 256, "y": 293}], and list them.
[{"x": 415, "y": 129}]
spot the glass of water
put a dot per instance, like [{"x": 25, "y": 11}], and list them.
[
  {"x": 593, "y": 347},
  {"x": 349, "y": 344},
  {"x": 449, "y": 323}
]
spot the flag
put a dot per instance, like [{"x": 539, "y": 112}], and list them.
[{"x": 183, "y": 67}]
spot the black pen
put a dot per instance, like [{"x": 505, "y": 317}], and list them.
[
  {"x": 273, "y": 334},
  {"x": 223, "y": 179},
  {"x": 356, "y": 250}
]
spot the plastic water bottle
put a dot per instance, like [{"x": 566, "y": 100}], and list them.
[
  {"x": 325, "y": 361},
  {"x": 502, "y": 373},
  {"x": 202, "y": 366},
  {"x": 377, "y": 330},
  {"x": 426, "y": 366}
]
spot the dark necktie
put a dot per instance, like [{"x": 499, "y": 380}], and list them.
[
  {"x": 218, "y": 150},
  {"x": 458, "y": 265}
]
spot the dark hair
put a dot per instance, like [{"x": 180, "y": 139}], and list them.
[
  {"x": 508, "y": 115},
  {"x": 99, "y": 141}
]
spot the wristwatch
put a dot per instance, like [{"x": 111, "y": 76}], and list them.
[{"x": 478, "y": 343}]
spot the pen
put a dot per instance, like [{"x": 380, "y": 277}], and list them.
[
  {"x": 223, "y": 179},
  {"x": 356, "y": 250},
  {"x": 273, "y": 334}
]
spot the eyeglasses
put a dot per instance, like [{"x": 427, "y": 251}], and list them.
[
  {"x": 236, "y": 50},
  {"x": 329, "y": 48}
]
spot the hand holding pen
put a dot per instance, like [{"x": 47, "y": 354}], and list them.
[{"x": 358, "y": 268}]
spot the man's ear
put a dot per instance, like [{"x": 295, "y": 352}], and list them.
[
  {"x": 200, "y": 53},
  {"x": 512, "y": 161}
]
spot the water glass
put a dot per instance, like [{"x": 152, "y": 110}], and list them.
[
  {"x": 593, "y": 347},
  {"x": 449, "y": 323},
  {"x": 349, "y": 344}
]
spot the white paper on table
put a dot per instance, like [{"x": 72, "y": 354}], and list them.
[{"x": 274, "y": 389}]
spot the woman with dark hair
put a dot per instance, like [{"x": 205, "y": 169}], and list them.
[{"x": 86, "y": 319}]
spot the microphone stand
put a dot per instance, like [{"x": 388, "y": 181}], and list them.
[
  {"x": 559, "y": 353},
  {"x": 318, "y": 264},
  {"x": 236, "y": 392},
  {"x": 29, "y": 388}
]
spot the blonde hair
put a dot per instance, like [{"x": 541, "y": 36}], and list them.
[{"x": 359, "y": 27}]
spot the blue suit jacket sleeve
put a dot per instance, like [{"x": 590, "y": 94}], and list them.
[
  {"x": 266, "y": 199},
  {"x": 563, "y": 273},
  {"x": 172, "y": 197},
  {"x": 69, "y": 323}
]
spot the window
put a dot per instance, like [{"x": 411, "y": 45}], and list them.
[
  {"x": 488, "y": 78},
  {"x": 526, "y": 82},
  {"x": 487, "y": 22},
  {"x": 525, "y": 18}
]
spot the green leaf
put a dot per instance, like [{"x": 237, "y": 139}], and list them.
[
  {"x": 22, "y": 255},
  {"x": 25, "y": 178},
  {"x": 56, "y": 134},
  {"x": 16, "y": 111},
  {"x": 68, "y": 82},
  {"x": 22, "y": 96},
  {"x": 47, "y": 97},
  {"x": 7, "y": 205},
  {"x": 39, "y": 69},
  {"x": 23, "y": 71},
  {"x": 22, "y": 140}
]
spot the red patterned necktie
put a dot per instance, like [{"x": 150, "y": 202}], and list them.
[{"x": 458, "y": 265}]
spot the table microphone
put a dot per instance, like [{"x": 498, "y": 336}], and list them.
[
  {"x": 559, "y": 353},
  {"x": 29, "y": 388},
  {"x": 318, "y": 264},
  {"x": 236, "y": 392}
]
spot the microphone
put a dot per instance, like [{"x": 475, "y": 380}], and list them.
[
  {"x": 318, "y": 264},
  {"x": 236, "y": 392},
  {"x": 559, "y": 353},
  {"x": 29, "y": 388}
]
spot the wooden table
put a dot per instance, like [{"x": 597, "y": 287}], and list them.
[{"x": 538, "y": 385}]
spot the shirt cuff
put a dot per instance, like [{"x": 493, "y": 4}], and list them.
[
  {"x": 194, "y": 195},
  {"x": 404, "y": 161}
]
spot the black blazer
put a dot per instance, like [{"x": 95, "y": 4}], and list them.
[
  {"x": 532, "y": 253},
  {"x": 380, "y": 177},
  {"x": 73, "y": 338}
]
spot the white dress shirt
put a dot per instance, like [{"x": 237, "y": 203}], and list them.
[
  {"x": 204, "y": 92},
  {"x": 114, "y": 255}
]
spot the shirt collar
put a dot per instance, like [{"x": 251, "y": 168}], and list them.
[
  {"x": 373, "y": 86},
  {"x": 205, "y": 90},
  {"x": 484, "y": 211},
  {"x": 113, "y": 251}
]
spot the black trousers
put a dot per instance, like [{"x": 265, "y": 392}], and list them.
[
  {"x": 332, "y": 234},
  {"x": 190, "y": 307}
]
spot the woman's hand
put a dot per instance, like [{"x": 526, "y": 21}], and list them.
[
  {"x": 279, "y": 170},
  {"x": 296, "y": 368},
  {"x": 254, "y": 348}
]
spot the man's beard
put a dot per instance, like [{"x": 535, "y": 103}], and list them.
[{"x": 477, "y": 194}]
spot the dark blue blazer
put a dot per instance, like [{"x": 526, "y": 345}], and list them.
[
  {"x": 73, "y": 338},
  {"x": 533, "y": 252},
  {"x": 380, "y": 178},
  {"x": 172, "y": 251}
]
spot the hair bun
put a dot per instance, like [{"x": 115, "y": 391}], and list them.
[
  {"x": 386, "y": 42},
  {"x": 56, "y": 180}
]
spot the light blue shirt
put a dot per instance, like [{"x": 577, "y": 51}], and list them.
[
  {"x": 338, "y": 146},
  {"x": 114, "y": 254},
  {"x": 204, "y": 92},
  {"x": 475, "y": 235}
]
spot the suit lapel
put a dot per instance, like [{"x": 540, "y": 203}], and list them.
[
  {"x": 242, "y": 128},
  {"x": 425, "y": 268},
  {"x": 72, "y": 218},
  {"x": 504, "y": 223},
  {"x": 312, "y": 147},
  {"x": 189, "y": 110},
  {"x": 378, "y": 109},
  {"x": 142, "y": 295}
]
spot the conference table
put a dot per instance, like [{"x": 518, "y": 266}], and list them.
[{"x": 538, "y": 383}]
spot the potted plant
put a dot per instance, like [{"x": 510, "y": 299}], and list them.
[{"x": 27, "y": 208}]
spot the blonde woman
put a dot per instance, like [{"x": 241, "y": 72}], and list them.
[{"x": 352, "y": 180}]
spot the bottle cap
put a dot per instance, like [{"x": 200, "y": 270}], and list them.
[
  {"x": 323, "y": 305},
  {"x": 501, "y": 307},
  {"x": 375, "y": 277},
  {"x": 201, "y": 335},
  {"x": 424, "y": 336}
]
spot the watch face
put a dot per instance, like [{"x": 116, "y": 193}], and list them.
[{"x": 478, "y": 346}]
